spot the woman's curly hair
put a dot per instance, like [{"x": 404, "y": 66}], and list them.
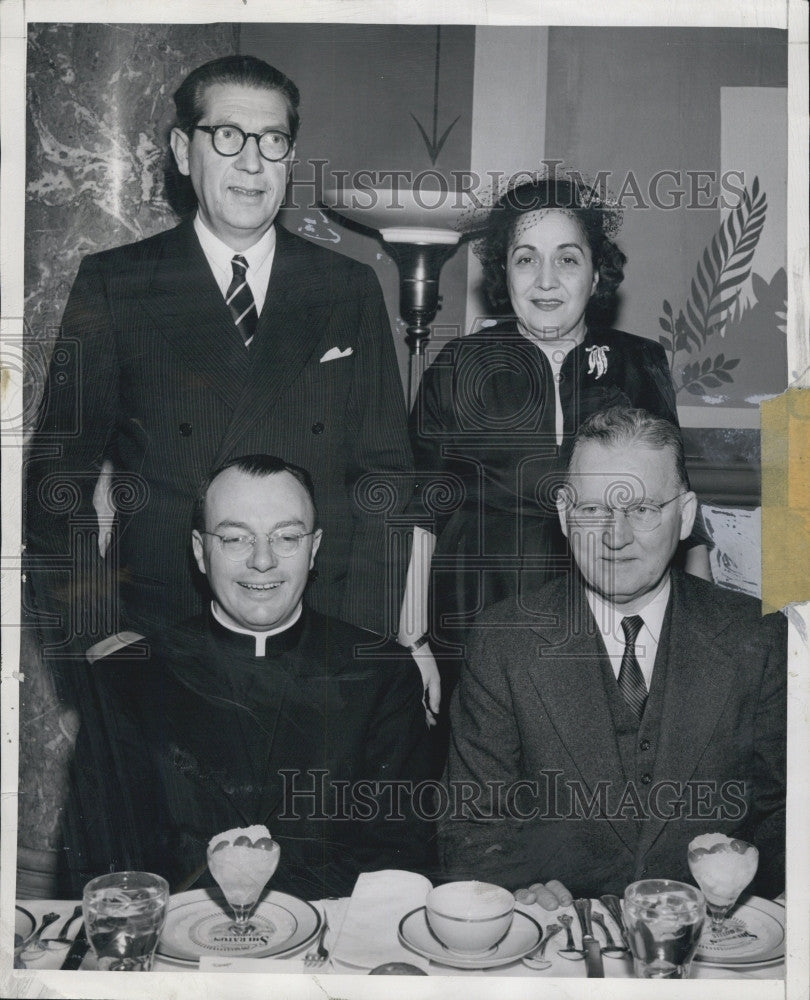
[{"x": 595, "y": 218}]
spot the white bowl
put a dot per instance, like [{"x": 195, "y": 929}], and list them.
[{"x": 470, "y": 917}]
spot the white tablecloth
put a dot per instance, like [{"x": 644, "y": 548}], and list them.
[{"x": 560, "y": 968}]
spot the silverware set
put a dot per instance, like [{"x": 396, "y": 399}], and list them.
[{"x": 591, "y": 950}]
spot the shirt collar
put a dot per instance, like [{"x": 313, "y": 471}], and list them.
[
  {"x": 222, "y": 255},
  {"x": 652, "y": 613}
]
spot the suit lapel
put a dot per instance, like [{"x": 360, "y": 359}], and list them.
[
  {"x": 295, "y": 311},
  {"x": 568, "y": 680},
  {"x": 699, "y": 681},
  {"x": 188, "y": 309}
]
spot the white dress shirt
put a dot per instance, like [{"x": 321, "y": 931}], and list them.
[
  {"x": 260, "y": 637},
  {"x": 219, "y": 256},
  {"x": 609, "y": 622}
]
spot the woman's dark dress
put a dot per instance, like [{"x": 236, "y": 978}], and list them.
[{"x": 483, "y": 431}]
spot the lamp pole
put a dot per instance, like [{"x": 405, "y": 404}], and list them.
[{"x": 419, "y": 255}]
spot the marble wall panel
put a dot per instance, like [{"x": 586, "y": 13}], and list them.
[{"x": 99, "y": 113}]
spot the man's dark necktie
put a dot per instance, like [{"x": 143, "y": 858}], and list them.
[
  {"x": 631, "y": 680},
  {"x": 240, "y": 300}
]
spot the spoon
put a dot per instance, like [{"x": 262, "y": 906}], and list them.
[
  {"x": 569, "y": 951},
  {"x": 611, "y": 949},
  {"x": 31, "y": 947},
  {"x": 77, "y": 912},
  {"x": 535, "y": 959},
  {"x": 614, "y": 907}
]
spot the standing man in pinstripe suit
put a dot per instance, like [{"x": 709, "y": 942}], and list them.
[{"x": 226, "y": 335}]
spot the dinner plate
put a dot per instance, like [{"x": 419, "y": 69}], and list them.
[
  {"x": 755, "y": 936},
  {"x": 199, "y": 923},
  {"x": 24, "y": 925},
  {"x": 523, "y": 936}
]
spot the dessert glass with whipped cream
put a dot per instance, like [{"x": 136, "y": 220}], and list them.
[
  {"x": 722, "y": 866},
  {"x": 242, "y": 861}
]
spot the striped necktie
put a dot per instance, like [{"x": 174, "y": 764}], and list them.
[
  {"x": 631, "y": 680},
  {"x": 239, "y": 299}
]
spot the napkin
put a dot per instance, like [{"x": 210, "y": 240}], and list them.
[{"x": 379, "y": 901}]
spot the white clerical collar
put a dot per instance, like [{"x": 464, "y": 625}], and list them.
[
  {"x": 260, "y": 637},
  {"x": 222, "y": 255}
]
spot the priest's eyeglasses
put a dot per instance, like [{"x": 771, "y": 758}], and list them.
[
  {"x": 282, "y": 541},
  {"x": 642, "y": 516},
  {"x": 229, "y": 140}
]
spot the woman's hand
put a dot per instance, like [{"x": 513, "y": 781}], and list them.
[{"x": 550, "y": 895}]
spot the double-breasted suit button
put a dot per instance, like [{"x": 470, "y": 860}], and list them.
[
  {"x": 644, "y": 745},
  {"x": 646, "y": 778},
  {"x": 185, "y": 430},
  {"x": 317, "y": 428}
]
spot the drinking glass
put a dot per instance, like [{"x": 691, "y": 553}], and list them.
[
  {"x": 242, "y": 870},
  {"x": 124, "y": 913},
  {"x": 722, "y": 869},
  {"x": 664, "y": 920}
]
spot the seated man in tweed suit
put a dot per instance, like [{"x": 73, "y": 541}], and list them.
[{"x": 630, "y": 708}]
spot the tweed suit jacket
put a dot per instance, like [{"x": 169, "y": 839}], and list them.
[
  {"x": 604, "y": 800},
  {"x": 151, "y": 373}
]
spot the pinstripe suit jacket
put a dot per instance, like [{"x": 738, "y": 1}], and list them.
[
  {"x": 150, "y": 371},
  {"x": 616, "y": 801}
]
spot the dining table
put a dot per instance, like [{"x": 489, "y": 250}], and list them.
[{"x": 365, "y": 931}]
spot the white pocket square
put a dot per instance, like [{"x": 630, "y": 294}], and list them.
[{"x": 335, "y": 352}]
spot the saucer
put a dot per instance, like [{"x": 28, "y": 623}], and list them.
[
  {"x": 198, "y": 923},
  {"x": 755, "y": 936},
  {"x": 523, "y": 936}
]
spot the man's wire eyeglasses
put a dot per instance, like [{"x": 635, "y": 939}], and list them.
[
  {"x": 229, "y": 140},
  {"x": 282, "y": 541},
  {"x": 642, "y": 516}
]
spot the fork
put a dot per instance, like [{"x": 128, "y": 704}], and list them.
[{"x": 314, "y": 959}]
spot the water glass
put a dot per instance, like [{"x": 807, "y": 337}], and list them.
[
  {"x": 124, "y": 913},
  {"x": 664, "y": 920}
]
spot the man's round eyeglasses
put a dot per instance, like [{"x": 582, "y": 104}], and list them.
[
  {"x": 642, "y": 516},
  {"x": 282, "y": 541},
  {"x": 229, "y": 140}
]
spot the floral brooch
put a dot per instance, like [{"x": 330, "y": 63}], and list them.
[{"x": 597, "y": 360}]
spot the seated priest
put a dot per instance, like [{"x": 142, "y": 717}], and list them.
[
  {"x": 629, "y": 708},
  {"x": 260, "y": 711}
]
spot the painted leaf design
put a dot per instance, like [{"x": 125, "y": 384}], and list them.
[{"x": 714, "y": 291}]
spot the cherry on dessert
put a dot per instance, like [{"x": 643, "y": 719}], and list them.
[
  {"x": 265, "y": 844},
  {"x": 219, "y": 846},
  {"x": 243, "y": 842}
]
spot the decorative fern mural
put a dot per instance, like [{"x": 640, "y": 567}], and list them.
[{"x": 713, "y": 306}]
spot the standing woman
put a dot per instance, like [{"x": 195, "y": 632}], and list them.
[{"x": 495, "y": 410}]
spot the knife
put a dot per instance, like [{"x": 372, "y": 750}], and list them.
[
  {"x": 591, "y": 947},
  {"x": 77, "y": 950}
]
